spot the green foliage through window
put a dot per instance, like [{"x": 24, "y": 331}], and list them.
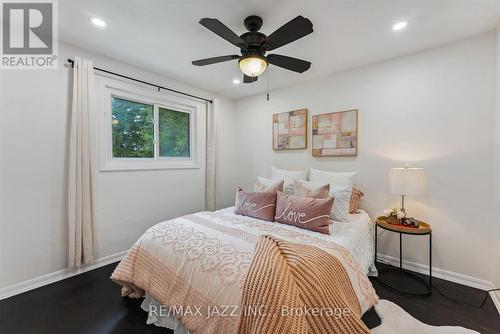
[
  {"x": 133, "y": 132},
  {"x": 174, "y": 133}
]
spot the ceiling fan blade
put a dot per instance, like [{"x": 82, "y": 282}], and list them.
[
  {"x": 289, "y": 32},
  {"x": 223, "y": 31},
  {"x": 247, "y": 79},
  {"x": 214, "y": 60},
  {"x": 290, "y": 63}
]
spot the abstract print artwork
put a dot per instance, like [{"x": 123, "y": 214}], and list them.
[
  {"x": 290, "y": 130},
  {"x": 335, "y": 134}
]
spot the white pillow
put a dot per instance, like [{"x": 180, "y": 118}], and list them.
[
  {"x": 336, "y": 179},
  {"x": 289, "y": 177},
  {"x": 267, "y": 185},
  {"x": 340, "y": 208}
]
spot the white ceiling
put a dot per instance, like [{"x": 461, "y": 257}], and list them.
[{"x": 164, "y": 35}]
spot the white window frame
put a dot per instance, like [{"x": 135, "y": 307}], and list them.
[{"x": 107, "y": 88}]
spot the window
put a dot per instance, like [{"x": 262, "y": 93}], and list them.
[
  {"x": 174, "y": 133},
  {"x": 133, "y": 124},
  {"x": 145, "y": 130}
]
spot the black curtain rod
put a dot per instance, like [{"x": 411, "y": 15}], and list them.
[{"x": 72, "y": 62}]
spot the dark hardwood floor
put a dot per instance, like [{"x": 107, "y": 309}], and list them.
[
  {"x": 439, "y": 311},
  {"x": 90, "y": 303}
]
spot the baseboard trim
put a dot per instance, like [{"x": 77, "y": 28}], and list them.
[
  {"x": 440, "y": 273},
  {"x": 17, "y": 288},
  {"x": 495, "y": 296}
]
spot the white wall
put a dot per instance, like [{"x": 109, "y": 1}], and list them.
[
  {"x": 496, "y": 183},
  {"x": 228, "y": 152},
  {"x": 34, "y": 108},
  {"x": 433, "y": 109},
  {"x": 438, "y": 104}
]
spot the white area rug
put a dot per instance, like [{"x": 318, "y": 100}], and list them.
[{"x": 396, "y": 321}]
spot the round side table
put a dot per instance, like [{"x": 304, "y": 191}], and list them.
[{"x": 423, "y": 229}]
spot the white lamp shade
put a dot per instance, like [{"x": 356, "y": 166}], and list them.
[{"x": 407, "y": 181}]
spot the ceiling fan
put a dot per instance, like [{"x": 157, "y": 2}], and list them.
[{"x": 254, "y": 45}]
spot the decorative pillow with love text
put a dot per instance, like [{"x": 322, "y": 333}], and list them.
[
  {"x": 307, "y": 213},
  {"x": 259, "y": 205}
]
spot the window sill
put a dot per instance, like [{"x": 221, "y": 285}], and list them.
[{"x": 146, "y": 164}]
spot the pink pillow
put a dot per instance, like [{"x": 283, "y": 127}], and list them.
[
  {"x": 311, "y": 189},
  {"x": 307, "y": 213},
  {"x": 258, "y": 205}
]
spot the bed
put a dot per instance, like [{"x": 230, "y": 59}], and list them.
[
  {"x": 356, "y": 235},
  {"x": 203, "y": 258}
]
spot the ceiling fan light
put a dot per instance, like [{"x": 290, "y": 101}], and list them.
[{"x": 252, "y": 65}]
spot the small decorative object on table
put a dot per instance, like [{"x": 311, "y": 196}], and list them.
[
  {"x": 398, "y": 217},
  {"x": 412, "y": 222},
  {"x": 394, "y": 216}
]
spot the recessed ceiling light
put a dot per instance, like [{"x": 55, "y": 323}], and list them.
[
  {"x": 399, "y": 25},
  {"x": 98, "y": 22},
  {"x": 236, "y": 81}
]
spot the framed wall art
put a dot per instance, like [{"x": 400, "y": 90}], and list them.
[
  {"x": 335, "y": 134},
  {"x": 290, "y": 130}
]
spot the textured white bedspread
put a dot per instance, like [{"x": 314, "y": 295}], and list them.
[{"x": 357, "y": 235}]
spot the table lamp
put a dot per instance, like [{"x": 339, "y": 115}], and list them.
[{"x": 407, "y": 181}]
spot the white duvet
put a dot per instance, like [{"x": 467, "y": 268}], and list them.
[{"x": 356, "y": 235}]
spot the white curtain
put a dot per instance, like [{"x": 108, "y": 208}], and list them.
[
  {"x": 211, "y": 177},
  {"x": 80, "y": 213}
]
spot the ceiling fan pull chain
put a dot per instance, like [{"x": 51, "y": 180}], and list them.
[{"x": 267, "y": 95}]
